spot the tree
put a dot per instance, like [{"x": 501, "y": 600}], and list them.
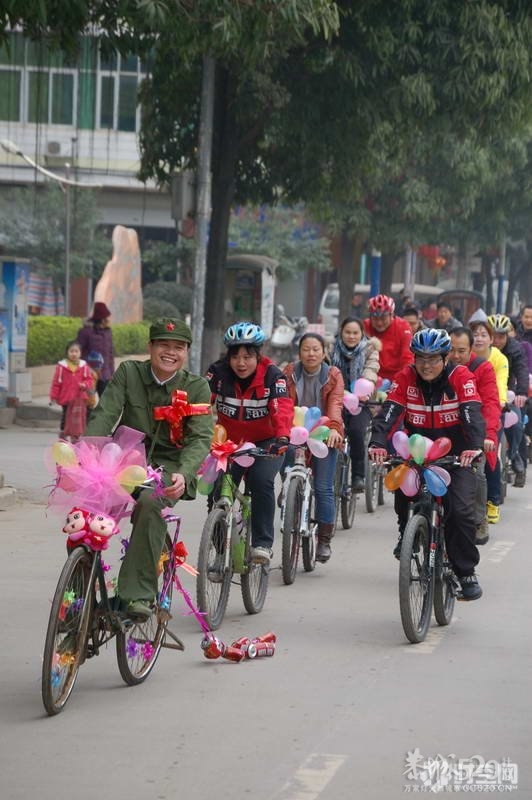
[
  {"x": 281, "y": 233},
  {"x": 33, "y": 225}
]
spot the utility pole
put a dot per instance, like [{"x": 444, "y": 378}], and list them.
[{"x": 203, "y": 211}]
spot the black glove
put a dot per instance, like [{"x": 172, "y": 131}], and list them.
[{"x": 279, "y": 445}]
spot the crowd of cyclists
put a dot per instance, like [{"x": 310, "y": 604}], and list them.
[{"x": 466, "y": 380}]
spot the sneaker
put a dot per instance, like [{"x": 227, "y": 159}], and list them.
[
  {"x": 482, "y": 535},
  {"x": 493, "y": 512},
  {"x": 139, "y": 609},
  {"x": 261, "y": 555},
  {"x": 471, "y": 589},
  {"x": 215, "y": 573},
  {"x": 397, "y": 548},
  {"x": 359, "y": 484},
  {"x": 520, "y": 479}
]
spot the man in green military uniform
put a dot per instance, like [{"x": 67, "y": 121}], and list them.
[{"x": 138, "y": 392}]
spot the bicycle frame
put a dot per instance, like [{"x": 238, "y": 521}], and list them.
[{"x": 230, "y": 494}]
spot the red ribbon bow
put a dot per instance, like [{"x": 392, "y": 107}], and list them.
[{"x": 175, "y": 413}]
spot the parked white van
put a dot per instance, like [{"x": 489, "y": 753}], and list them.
[{"x": 328, "y": 309}]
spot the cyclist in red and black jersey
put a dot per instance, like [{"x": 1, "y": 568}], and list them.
[
  {"x": 434, "y": 398},
  {"x": 252, "y": 403}
]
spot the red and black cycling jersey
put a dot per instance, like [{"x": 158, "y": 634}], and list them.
[
  {"x": 251, "y": 411},
  {"x": 448, "y": 406}
]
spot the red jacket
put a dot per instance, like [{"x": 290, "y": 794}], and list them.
[
  {"x": 68, "y": 385},
  {"x": 489, "y": 394},
  {"x": 448, "y": 406},
  {"x": 395, "y": 351},
  {"x": 262, "y": 411}
]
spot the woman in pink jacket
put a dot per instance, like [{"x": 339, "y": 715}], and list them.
[{"x": 72, "y": 384}]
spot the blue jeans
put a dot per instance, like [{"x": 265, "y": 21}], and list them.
[{"x": 323, "y": 470}]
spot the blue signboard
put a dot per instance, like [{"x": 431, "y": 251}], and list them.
[{"x": 16, "y": 280}]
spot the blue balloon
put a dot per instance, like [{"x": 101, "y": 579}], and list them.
[
  {"x": 312, "y": 415},
  {"x": 435, "y": 484}
]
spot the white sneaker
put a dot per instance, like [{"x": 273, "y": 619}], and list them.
[{"x": 260, "y": 555}]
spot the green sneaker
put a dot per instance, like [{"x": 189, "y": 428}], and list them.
[{"x": 139, "y": 609}]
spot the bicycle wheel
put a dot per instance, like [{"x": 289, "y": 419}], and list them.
[
  {"x": 214, "y": 580},
  {"x": 371, "y": 489},
  {"x": 416, "y": 587},
  {"x": 66, "y": 636},
  {"x": 380, "y": 490},
  {"x": 292, "y": 528},
  {"x": 139, "y": 645},
  {"x": 338, "y": 480},
  {"x": 254, "y": 585},
  {"x": 308, "y": 543},
  {"x": 348, "y": 502},
  {"x": 444, "y": 588}
]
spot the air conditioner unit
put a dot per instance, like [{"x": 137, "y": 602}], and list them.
[{"x": 53, "y": 148}]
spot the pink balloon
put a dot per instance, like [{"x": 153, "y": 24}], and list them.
[
  {"x": 363, "y": 387},
  {"x": 510, "y": 396},
  {"x": 298, "y": 435},
  {"x": 351, "y": 402},
  {"x": 510, "y": 418},
  {"x": 439, "y": 449},
  {"x": 429, "y": 443},
  {"x": 400, "y": 443},
  {"x": 322, "y": 421},
  {"x": 410, "y": 484},
  {"x": 317, "y": 448}
]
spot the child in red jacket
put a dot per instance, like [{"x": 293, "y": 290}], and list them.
[{"x": 71, "y": 385}]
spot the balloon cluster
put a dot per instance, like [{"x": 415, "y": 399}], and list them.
[
  {"x": 310, "y": 428},
  {"x": 362, "y": 389},
  {"x": 97, "y": 474},
  {"x": 218, "y": 459},
  {"x": 421, "y": 450},
  {"x": 510, "y": 418}
]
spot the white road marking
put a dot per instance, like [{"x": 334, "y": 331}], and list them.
[
  {"x": 498, "y": 551},
  {"x": 312, "y": 777},
  {"x": 432, "y": 640}
]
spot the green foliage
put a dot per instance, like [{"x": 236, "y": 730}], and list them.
[
  {"x": 281, "y": 233},
  {"x": 177, "y": 295},
  {"x": 162, "y": 261},
  {"x": 48, "y": 336},
  {"x": 33, "y": 225}
]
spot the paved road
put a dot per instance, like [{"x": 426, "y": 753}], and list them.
[{"x": 331, "y": 716}]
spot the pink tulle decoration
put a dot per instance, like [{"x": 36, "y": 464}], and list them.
[
  {"x": 91, "y": 482},
  {"x": 244, "y": 461}
]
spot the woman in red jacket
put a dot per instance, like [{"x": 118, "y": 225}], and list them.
[
  {"x": 71, "y": 385},
  {"x": 252, "y": 403},
  {"x": 312, "y": 382}
]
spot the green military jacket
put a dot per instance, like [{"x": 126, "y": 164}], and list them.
[{"x": 129, "y": 399}]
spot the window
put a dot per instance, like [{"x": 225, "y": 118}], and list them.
[
  {"x": 45, "y": 86},
  {"x": 10, "y": 95}
]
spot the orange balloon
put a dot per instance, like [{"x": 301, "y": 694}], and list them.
[
  {"x": 395, "y": 477},
  {"x": 220, "y": 434}
]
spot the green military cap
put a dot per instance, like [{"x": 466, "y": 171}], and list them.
[{"x": 170, "y": 328}]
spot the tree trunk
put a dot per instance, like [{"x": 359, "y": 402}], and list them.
[
  {"x": 225, "y": 147},
  {"x": 387, "y": 264},
  {"x": 350, "y": 251}
]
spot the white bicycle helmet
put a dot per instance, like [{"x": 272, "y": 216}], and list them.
[{"x": 246, "y": 333}]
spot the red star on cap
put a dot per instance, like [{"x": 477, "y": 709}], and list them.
[{"x": 170, "y": 326}]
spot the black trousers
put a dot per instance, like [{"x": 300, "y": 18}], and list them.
[
  {"x": 460, "y": 523},
  {"x": 355, "y": 428}
]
